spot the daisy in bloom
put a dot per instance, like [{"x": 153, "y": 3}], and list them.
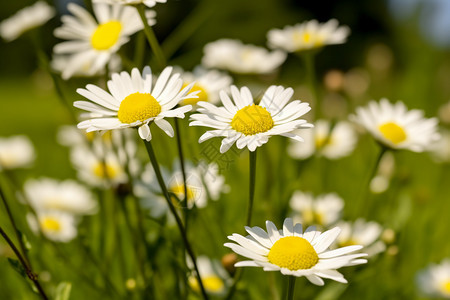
[
  {"x": 236, "y": 57},
  {"x": 149, "y": 3},
  {"x": 361, "y": 232},
  {"x": 324, "y": 210},
  {"x": 92, "y": 41},
  {"x": 248, "y": 124},
  {"x": 16, "y": 152},
  {"x": 55, "y": 225},
  {"x": 308, "y": 35},
  {"x": 294, "y": 252},
  {"x": 207, "y": 83},
  {"x": 214, "y": 277},
  {"x": 434, "y": 281},
  {"x": 132, "y": 102},
  {"x": 52, "y": 195},
  {"x": 336, "y": 144},
  {"x": 397, "y": 128},
  {"x": 60, "y": 62},
  {"x": 26, "y": 19}
]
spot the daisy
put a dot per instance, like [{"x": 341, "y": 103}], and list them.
[
  {"x": 25, "y": 19},
  {"x": 361, "y": 232},
  {"x": 308, "y": 35},
  {"x": 295, "y": 253},
  {"x": 132, "y": 102},
  {"x": 16, "y": 152},
  {"x": 214, "y": 277},
  {"x": 324, "y": 210},
  {"x": 435, "y": 280},
  {"x": 207, "y": 83},
  {"x": 248, "y": 124},
  {"x": 55, "y": 225},
  {"x": 52, "y": 195},
  {"x": 397, "y": 128},
  {"x": 149, "y": 3},
  {"x": 236, "y": 57},
  {"x": 92, "y": 41},
  {"x": 60, "y": 62},
  {"x": 336, "y": 144}
]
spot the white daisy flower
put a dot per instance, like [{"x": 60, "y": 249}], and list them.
[
  {"x": 434, "y": 281},
  {"x": 308, "y": 35},
  {"x": 25, "y": 19},
  {"x": 248, "y": 124},
  {"x": 324, "y": 210},
  {"x": 295, "y": 253},
  {"x": 61, "y": 62},
  {"x": 92, "y": 41},
  {"x": 361, "y": 232},
  {"x": 149, "y": 3},
  {"x": 236, "y": 57},
  {"x": 214, "y": 277},
  {"x": 207, "y": 83},
  {"x": 53, "y": 195},
  {"x": 336, "y": 144},
  {"x": 16, "y": 152},
  {"x": 132, "y": 102},
  {"x": 397, "y": 128},
  {"x": 55, "y": 225}
]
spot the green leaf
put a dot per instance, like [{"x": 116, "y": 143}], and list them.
[
  {"x": 63, "y": 291},
  {"x": 17, "y": 266},
  {"x": 25, "y": 241}
]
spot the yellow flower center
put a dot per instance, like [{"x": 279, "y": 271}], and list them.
[
  {"x": 313, "y": 217},
  {"x": 392, "y": 132},
  {"x": 446, "y": 287},
  {"x": 104, "y": 170},
  {"x": 178, "y": 190},
  {"x": 322, "y": 141},
  {"x": 202, "y": 95},
  {"x": 50, "y": 224},
  {"x": 252, "y": 119},
  {"x": 212, "y": 284},
  {"x": 138, "y": 107},
  {"x": 106, "y": 35},
  {"x": 293, "y": 253},
  {"x": 303, "y": 38}
]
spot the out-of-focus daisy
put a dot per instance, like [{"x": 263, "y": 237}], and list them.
[
  {"x": 324, "y": 210},
  {"x": 69, "y": 196},
  {"x": 71, "y": 136},
  {"x": 60, "y": 63},
  {"x": 380, "y": 183},
  {"x": 16, "y": 152},
  {"x": 294, "y": 252},
  {"x": 435, "y": 280},
  {"x": 92, "y": 42},
  {"x": 234, "y": 56},
  {"x": 132, "y": 102},
  {"x": 248, "y": 124},
  {"x": 98, "y": 170},
  {"x": 207, "y": 83},
  {"x": 214, "y": 277},
  {"x": 361, "y": 232},
  {"x": 336, "y": 144},
  {"x": 397, "y": 128},
  {"x": 440, "y": 150},
  {"x": 149, "y": 3},
  {"x": 55, "y": 225},
  {"x": 308, "y": 35},
  {"x": 25, "y": 19}
]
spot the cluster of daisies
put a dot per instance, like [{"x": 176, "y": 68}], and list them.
[{"x": 314, "y": 242}]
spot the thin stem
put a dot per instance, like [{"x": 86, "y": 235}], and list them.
[
  {"x": 183, "y": 171},
  {"x": 308, "y": 59},
  {"x": 30, "y": 274},
  {"x": 181, "y": 228},
  {"x": 151, "y": 37},
  {"x": 251, "y": 186},
  {"x": 291, "y": 288}
]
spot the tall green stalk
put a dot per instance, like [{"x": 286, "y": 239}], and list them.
[
  {"x": 291, "y": 287},
  {"x": 180, "y": 225},
  {"x": 252, "y": 167}
]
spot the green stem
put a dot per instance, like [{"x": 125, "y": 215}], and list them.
[
  {"x": 251, "y": 186},
  {"x": 183, "y": 171},
  {"x": 181, "y": 228},
  {"x": 151, "y": 37},
  {"x": 291, "y": 288},
  {"x": 308, "y": 59},
  {"x": 30, "y": 274}
]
